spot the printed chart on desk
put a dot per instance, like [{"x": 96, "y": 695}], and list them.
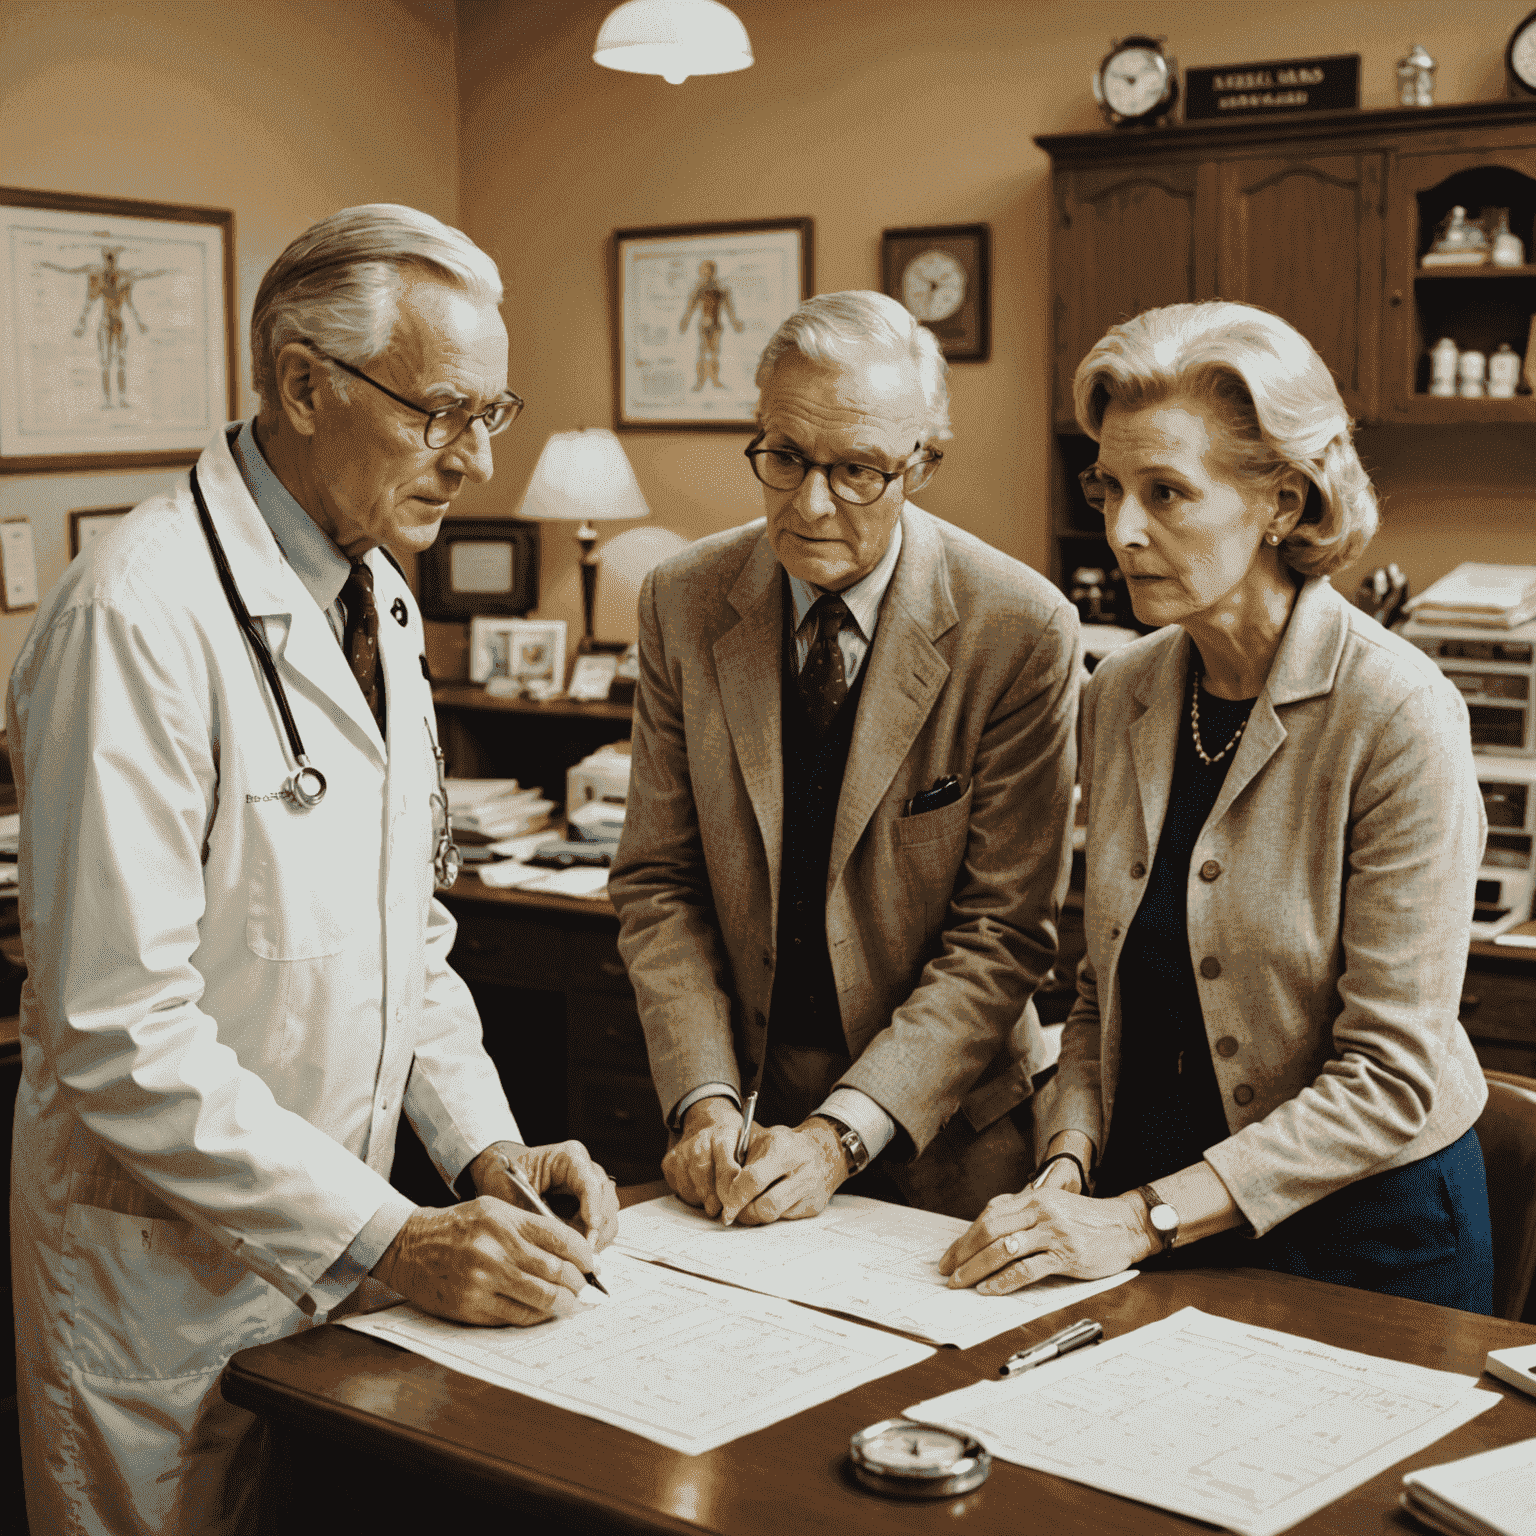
[
  {"x": 656, "y": 1357},
  {"x": 1242, "y": 1426},
  {"x": 868, "y": 1258}
]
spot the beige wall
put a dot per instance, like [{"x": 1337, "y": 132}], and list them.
[
  {"x": 874, "y": 113},
  {"x": 280, "y": 109}
]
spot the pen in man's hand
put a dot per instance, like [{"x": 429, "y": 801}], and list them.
[
  {"x": 1079, "y": 1334},
  {"x": 536, "y": 1200},
  {"x": 744, "y": 1141}
]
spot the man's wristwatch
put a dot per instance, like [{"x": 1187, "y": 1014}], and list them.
[
  {"x": 1164, "y": 1219},
  {"x": 852, "y": 1144}
]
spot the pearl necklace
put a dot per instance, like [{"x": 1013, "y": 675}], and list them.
[{"x": 1194, "y": 722}]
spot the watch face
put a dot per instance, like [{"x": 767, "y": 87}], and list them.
[
  {"x": 1163, "y": 1218},
  {"x": 1522, "y": 53},
  {"x": 1134, "y": 81},
  {"x": 933, "y": 285}
]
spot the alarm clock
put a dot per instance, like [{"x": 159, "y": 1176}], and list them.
[
  {"x": 1136, "y": 82},
  {"x": 1520, "y": 58}
]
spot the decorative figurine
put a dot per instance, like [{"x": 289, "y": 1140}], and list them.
[
  {"x": 1503, "y": 373},
  {"x": 1459, "y": 242},
  {"x": 1443, "y": 357},
  {"x": 1416, "y": 78},
  {"x": 1508, "y": 249},
  {"x": 1472, "y": 367}
]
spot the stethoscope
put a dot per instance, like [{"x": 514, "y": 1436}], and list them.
[{"x": 306, "y": 784}]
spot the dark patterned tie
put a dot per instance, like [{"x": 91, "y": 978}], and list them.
[
  {"x": 360, "y": 639},
  {"x": 823, "y": 682}
]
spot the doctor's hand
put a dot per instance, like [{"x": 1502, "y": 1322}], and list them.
[
  {"x": 564, "y": 1167},
  {"x": 790, "y": 1174},
  {"x": 487, "y": 1262},
  {"x": 702, "y": 1166},
  {"x": 1021, "y": 1238}
]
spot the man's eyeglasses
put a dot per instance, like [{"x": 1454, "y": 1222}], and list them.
[
  {"x": 1095, "y": 487},
  {"x": 448, "y": 423},
  {"x": 860, "y": 485}
]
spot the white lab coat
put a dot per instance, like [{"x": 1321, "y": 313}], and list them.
[{"x": 229, "y": 1000}]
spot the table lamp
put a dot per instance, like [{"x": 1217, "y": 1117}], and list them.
[{"x": 584, "y": 477}]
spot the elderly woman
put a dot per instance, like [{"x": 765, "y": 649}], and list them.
[{"x": 1264, "y": 1064}]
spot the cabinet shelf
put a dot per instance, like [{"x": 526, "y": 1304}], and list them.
[
  {"x": 1433, "y": 409},
  {"x": 1461, "y": 274}
]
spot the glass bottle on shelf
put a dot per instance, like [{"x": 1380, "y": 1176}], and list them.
[
  {"x": 1508, "y": 250},
  {"x": 1472, "y": 367},
  {"x": 1503, "y": 373},
  {"x": 1443, "y": 357}
]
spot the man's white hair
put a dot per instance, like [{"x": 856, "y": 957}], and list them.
[
  {"x": 338, "y": 285},
  {"x": 858, "y": 325}
]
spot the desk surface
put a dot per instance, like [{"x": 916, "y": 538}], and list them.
[{"x": 356, "y": 1393}]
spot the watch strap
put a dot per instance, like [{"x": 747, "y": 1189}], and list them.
[
  {"x": 854, "y": 1150},
  {"x": 1167, "y": 1234}
]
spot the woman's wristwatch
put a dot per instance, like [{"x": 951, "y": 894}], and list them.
[
  {"x": 854, "y": 1150},
  {"x": 1162, "y": 1216}
]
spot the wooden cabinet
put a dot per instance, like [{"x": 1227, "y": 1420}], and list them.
[{"x": 1322, "y": 219}]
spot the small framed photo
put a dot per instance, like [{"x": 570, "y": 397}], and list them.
[
  {"x": 527, "y": 652},
  {"x": 693, "y": 307},
  {"x": 89, "y": 523},
  {"x": 593, "y": 676},
  {"x": 943, "y": 276}
]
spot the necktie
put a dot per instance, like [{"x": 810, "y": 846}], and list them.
[
  {"x": 360, "y": 638},
  {"x": 823, "y": 682}
]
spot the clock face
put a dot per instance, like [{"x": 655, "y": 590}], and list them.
[
  {"x": 933, "y": 285},
  {"x": 1522, "y": 53},
  {"x": 915, "y": 1449},
  {"x": 1134, "y": 81}
]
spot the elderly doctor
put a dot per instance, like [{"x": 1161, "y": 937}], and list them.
[{"x": 234, "y": 990}]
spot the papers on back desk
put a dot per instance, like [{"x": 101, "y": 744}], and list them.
[
  {"x": 1241, "y": 1426},
  {"x": 684, "y": 1362},
  {"x": 867, "y": 1258}
]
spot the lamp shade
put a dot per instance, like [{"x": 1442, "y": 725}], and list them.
[
  {"x": 583, "y": 477},
  {"x": 673, "y": 39}
]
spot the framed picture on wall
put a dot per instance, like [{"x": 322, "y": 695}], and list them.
[
  {"x": 89, "y": 523},
  {"x": 942, "y": 274},
  {"x": 117, "y": 331},
  {"x": 693, "y": 308}
]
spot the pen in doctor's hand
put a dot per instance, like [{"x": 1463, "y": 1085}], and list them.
[
  {"x": 536, "y": 1200},
  {"x": 744, "y": 1141},
  {"x": 1079, "y": 1334}
]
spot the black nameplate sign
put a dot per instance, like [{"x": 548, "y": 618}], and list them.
[{"x": 1285, "y": 85}]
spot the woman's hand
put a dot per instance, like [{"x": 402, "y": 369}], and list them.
[{"x": 1019, "y": 1239}]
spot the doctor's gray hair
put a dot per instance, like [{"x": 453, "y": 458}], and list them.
[
  {"x": 338, "y": 286},
  {"x": 855, "y": 326},
  {"x": 1274, "y": 397}
]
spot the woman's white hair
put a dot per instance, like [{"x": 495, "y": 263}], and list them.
[
  {"x": 1272, "y": 393},
  {"x": 855, "y": 326},
  {"x": 339, "y": 284}
]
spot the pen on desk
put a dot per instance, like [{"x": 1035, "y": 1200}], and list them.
[
  {"x": 536, "y": 1200},
  {"x": 744, "y": 1141},
  {"x": 1079, "y": 1334}
]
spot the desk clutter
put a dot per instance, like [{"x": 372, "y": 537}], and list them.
[{"x": 1491, "y": 1494}]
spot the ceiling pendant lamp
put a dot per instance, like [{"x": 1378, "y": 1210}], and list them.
[{"x": 673, "y": 39}]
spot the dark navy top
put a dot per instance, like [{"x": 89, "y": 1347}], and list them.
[{"x": 1168, "y": 1107}]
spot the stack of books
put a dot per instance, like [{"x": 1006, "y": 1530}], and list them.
[
  {"x": 1493, "y": 1494},
  {"x": 1485, "y": 596},
  {"x": 491, "y": 810}
]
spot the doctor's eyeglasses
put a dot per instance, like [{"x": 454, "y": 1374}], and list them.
[
  {"x": 448, "y": 423},
  {"x": 860, "y": 485}
]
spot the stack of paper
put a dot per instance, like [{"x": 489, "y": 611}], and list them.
[
  {"x": 488, "y": 809},
  {"x": 1493, "y": 1494},
  {"x": 1490, "y": 596}
]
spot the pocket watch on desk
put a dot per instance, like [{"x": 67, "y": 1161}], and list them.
[{"x": 1136, "y": 82}]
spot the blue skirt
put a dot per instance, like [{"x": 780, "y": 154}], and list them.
[{"x": 1420, "y": 1231}]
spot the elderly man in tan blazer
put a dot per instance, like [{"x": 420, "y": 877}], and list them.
[{"x": 848, "y": 828}]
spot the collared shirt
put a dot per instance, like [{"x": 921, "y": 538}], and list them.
[
  {"x": 854, "y": 1108},
  {"x": 323, "y": 569}
]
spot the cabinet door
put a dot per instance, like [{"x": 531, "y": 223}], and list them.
[
  {"x": 1124, "y": 242},
  {"x": 1304, "y": 238}
]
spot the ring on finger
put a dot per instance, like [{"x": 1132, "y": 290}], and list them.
[{"x": 1011, "y": 1243}]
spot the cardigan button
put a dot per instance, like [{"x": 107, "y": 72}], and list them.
[
  {"x": 1210, "y": 967},
  {"x": 1209, "y": 870},
  {"x": 1138, "y": 869},
  {"x": 1114, "y": 932},
  {"x": 1243, "y": 1093},
  {"x": 1227, "y": 1046}
]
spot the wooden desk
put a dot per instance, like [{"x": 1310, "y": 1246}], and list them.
[{"x": 370, "y": 1437}]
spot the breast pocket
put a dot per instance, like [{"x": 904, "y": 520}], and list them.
[
  {"x": 930, "y": 849},
  {"x": 309, "y": 875}
]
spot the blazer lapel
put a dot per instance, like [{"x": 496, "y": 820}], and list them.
[
  {"x": 1154, "y": 734},
  {"x": 905, "y": 674},
  {"x": 747, "y": 668}
]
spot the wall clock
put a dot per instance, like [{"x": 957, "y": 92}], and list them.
[
  {"x": 1136, "y": 82},
  {"x": 941, "y": 274},
  {"x": 1520, "y": 58}
]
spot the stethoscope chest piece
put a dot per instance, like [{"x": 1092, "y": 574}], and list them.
[{"x": 307, "y": 784}]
